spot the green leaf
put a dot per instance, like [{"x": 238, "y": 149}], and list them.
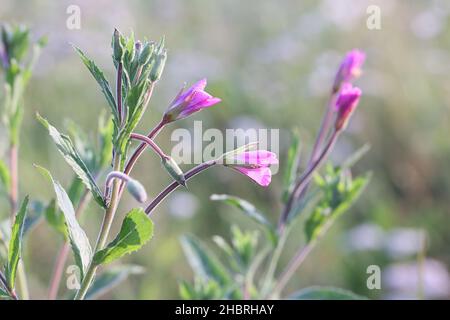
[
  {"x": 244, "y": 244},
  {"x": 105, "y": 132},
  {"x": 55, "y": 218},
  {"x": 3, "y": 294},
  {"x": 15, "y": 244},
  {"x": 307, "y": 203},
  {"x": 186, "y": 290},
  {"x": 101, "y": 80},
  {"x": 325, "y": 293},
  {"x": 203, "y": 262},
  {"x": 78, "y": 240},
  {"x": 136, "y": 230},
  {"x": 339, "y": 193},
  {"x": 5, "y": 177},
  {"x": 70, "y": 154},
  {"x": 34, "y": 215},
  {"x": 202, "y": 289},
  {"x": 250, "y": 211},
  {"x": 135, "y": 105},
  {"x": 111, "y": 278},
  {"x": 292, "y": 162}
]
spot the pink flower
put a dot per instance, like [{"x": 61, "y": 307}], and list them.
[
  {"x": 346, "y": 103},
  {"x": 254, "y": 164},
  {"x": 190, "y": 101},
  {"x": 350, "y": 68}
]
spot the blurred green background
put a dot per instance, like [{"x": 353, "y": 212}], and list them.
[{"x": 272, "y": 63}]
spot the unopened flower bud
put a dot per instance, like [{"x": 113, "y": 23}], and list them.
[
  {"x": 146, "y": 53},
  {"x": 118, "y": 50},
  {"x": 137, "y": 190},
  {"x": 349, "y": 69},
  {"x": 346, "y": 103},
  {"x": 158, "y": 67},
  {"x": 138, "y": 47},
  {"x": 174, "y": 170}
]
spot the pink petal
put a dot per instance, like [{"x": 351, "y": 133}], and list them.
[
  {"x": 262, "y": 176},
  {"x": 198, "y": 86},
  {"x": 257, "y": 157},
  {"x": 198, "y": 97},
  {"x": 192, "y": 108},
  {"x": 348, "y": 96}
]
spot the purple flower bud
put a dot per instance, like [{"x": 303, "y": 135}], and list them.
[
  {"x": 349, "y": 69},
  {"x": 190, "y": 101},
  {"x": 346, "y": 103}
]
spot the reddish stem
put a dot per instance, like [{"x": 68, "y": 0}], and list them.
[
  {"x": 324, "y": 129},
  {"x": 149, "y": 142},
  {"x": 171, "y": 187},
  {"x": 304, "y": 180}
]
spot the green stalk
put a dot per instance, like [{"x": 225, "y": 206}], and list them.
[
  {"x": 103, "y": 235},
  {"x": 274, "y": 262}
]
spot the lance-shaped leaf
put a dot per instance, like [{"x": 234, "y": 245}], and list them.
[
  {"x": 101, "y": 80},
  {"x": 70, "y": 154},
  {"x": 15, "y": 244},
  {"x": 78, "y": 240},
  {"x": 105, "y": 133},
  {"x": 111, "y": 278},
  {"x": 55, "y": 218},
  {"x": 203, "y": 262},
  {"x": 249, "y": 210},
  {"x": 136, "y": 230},
  {"x": 325, "y": 293},
  {"x": 34, "y": 216}
]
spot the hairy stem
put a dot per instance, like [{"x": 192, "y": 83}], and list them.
[
  {"x": 304, "y": 180},
  {"x": 171, "y": 187},
  {"x": 64, "y": 252},
  {"x": 150, "y": 143},
  {"x": 136, "y": 154},
  {"x": 324, "y": 129},
  {"x": 103, "y": 235}
]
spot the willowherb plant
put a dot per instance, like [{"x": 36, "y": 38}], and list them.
[
  {"x": 102, "y": 171},
  {"x": 250, "y": 271},
  {"x": 18, "y": 56}
]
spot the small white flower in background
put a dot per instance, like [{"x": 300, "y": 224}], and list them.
[
  {"x": 404, "y": 242},
  {"x": 183, "y": 205},
  {"x": 367, "y": 236},
  {"x": 403, "y": 280}
]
